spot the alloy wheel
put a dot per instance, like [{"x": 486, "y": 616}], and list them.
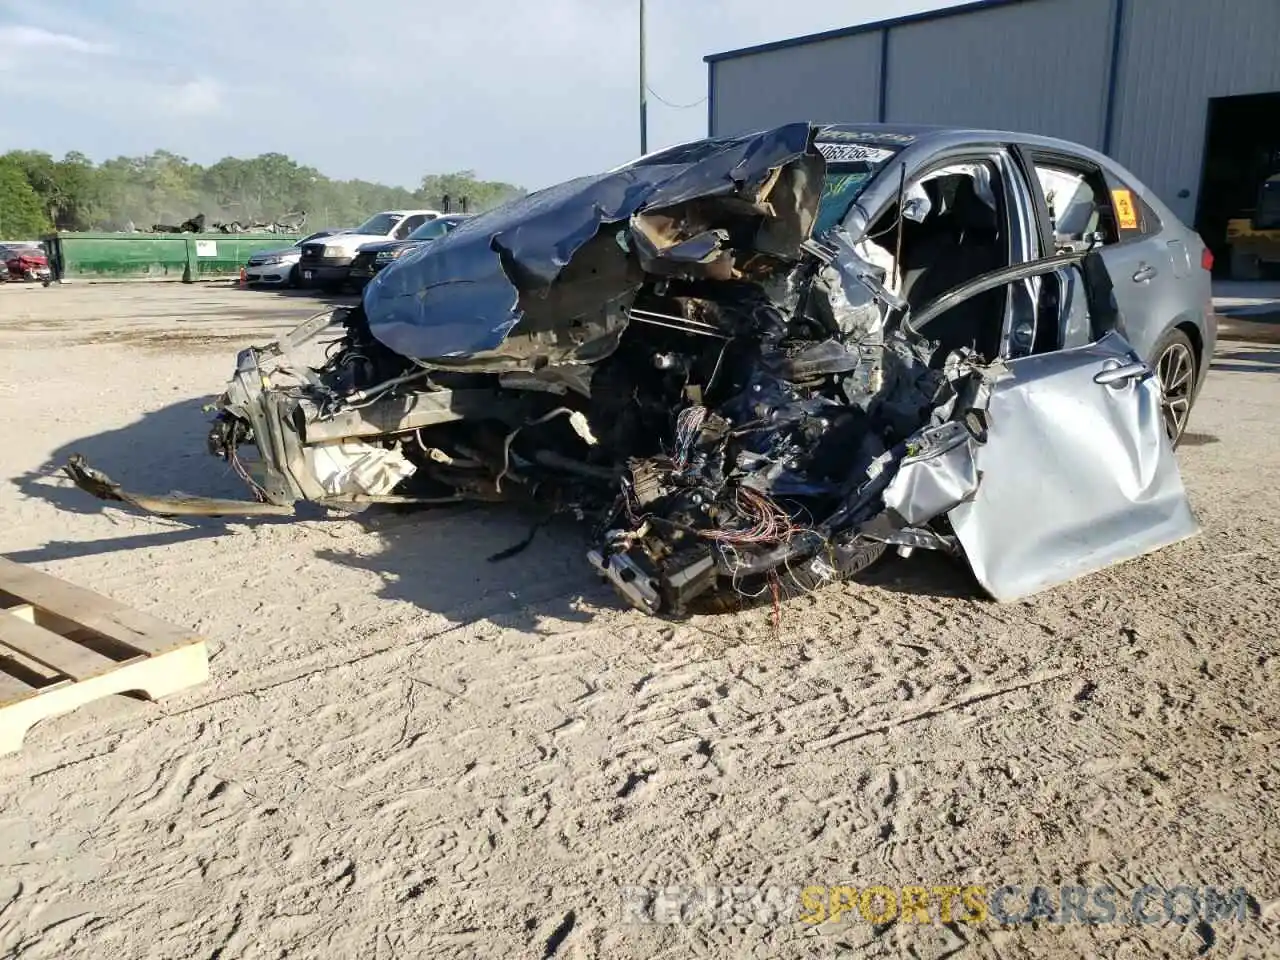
[{"x": 1175, "y": 371}]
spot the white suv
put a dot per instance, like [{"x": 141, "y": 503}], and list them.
[{"x": 326, "y": 263}]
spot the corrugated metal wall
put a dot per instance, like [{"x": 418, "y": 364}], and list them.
[
  {"x": 1039, "y": 66},
  {"x": 831, "y": 80},
  {"x": 1176, "y": 55}
]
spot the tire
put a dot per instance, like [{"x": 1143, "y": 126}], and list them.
[{"x": 1177, "y": 370}]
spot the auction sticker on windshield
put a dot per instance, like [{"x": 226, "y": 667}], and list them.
[{"x": 853, "y": 153}]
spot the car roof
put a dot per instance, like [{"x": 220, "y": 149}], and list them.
[
  {"x": 940, "y": 136},
  {"x": 932, "y": 138}
]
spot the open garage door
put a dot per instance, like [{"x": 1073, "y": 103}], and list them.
[{"x": 1241, "y": 184}]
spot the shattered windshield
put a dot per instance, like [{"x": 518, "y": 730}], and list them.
[{"x": 850, "y": 167}]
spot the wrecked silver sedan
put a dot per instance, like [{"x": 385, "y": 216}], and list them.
[{"x": 755, "y": 363}]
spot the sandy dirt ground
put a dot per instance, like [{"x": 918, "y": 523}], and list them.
[{"x": 405, "y": 750}]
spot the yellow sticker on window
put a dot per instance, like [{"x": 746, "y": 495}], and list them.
[{"x": 1126, "y": 210}]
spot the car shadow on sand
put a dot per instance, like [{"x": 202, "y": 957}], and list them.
[
  {"x": 512, "y": 567},
  {"x": 547, "y": 577},
  {"x": 924, "y": 573},
  {"x": 503, "y": 563},
  {"x": 162, "y": 452},
  {"x": 437, "y": 559}
]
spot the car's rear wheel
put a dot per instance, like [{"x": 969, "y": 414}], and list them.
[{"x": 1175, "y": 366}]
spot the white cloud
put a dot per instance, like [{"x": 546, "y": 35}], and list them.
[
  {"x": 195, "y": 98},
  {"x": 18, "y": 39},
  {"x": 529, "y": 92}
]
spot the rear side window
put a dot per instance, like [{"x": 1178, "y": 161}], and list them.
[
  {"x": 1079, "y": 208},
  {"x": 1085, "y": 204}
]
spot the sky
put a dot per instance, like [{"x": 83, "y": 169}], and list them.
[{"x": 531, "y": 92}]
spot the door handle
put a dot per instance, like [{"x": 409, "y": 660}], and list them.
[
  {"x": 1144, "y": 273},
  {"x": 1115, "y": 376}
]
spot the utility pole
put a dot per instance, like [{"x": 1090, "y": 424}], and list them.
[{"x": 644, "y": 92}]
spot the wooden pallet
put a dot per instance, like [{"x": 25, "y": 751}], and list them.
[{"x": 62, "y": 646}]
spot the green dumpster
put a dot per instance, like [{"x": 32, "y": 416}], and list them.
[{"x": 156, "y": 256}]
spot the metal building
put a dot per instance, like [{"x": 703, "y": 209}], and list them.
[{"x": 1186, "y": 93}]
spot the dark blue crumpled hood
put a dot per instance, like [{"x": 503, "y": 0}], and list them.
[{"x": 461, "y": 294}]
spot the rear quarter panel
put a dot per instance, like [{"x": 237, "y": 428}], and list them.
[{"x": 1184, "y": 297}]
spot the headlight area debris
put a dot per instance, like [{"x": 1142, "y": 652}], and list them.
[{"x": 662, "y": 350}]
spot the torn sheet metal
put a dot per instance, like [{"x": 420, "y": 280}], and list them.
[
  {"x": 174, "y": 505},
  {"x": 464, "y": 294},
  {"x": 97, "y": 483},
  {"x": 1076, "y": 475},
  {"x": 938, "y": 473}
]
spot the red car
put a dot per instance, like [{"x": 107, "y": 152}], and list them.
[{"x": 25, "y": 262}]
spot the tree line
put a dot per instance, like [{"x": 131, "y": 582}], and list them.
[{"x": 39, "y": 193}]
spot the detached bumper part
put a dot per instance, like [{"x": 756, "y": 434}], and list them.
[{"x": 103, "y": 487}]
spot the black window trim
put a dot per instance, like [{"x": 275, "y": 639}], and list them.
[{"x": 1024, "y": 159}]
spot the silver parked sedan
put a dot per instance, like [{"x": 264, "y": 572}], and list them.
[{"x": 279, "y": 268}]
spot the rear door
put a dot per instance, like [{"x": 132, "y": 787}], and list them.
[
  {"x": 1088, "y": 203},
  {"x": 1075, "y": 469}
]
